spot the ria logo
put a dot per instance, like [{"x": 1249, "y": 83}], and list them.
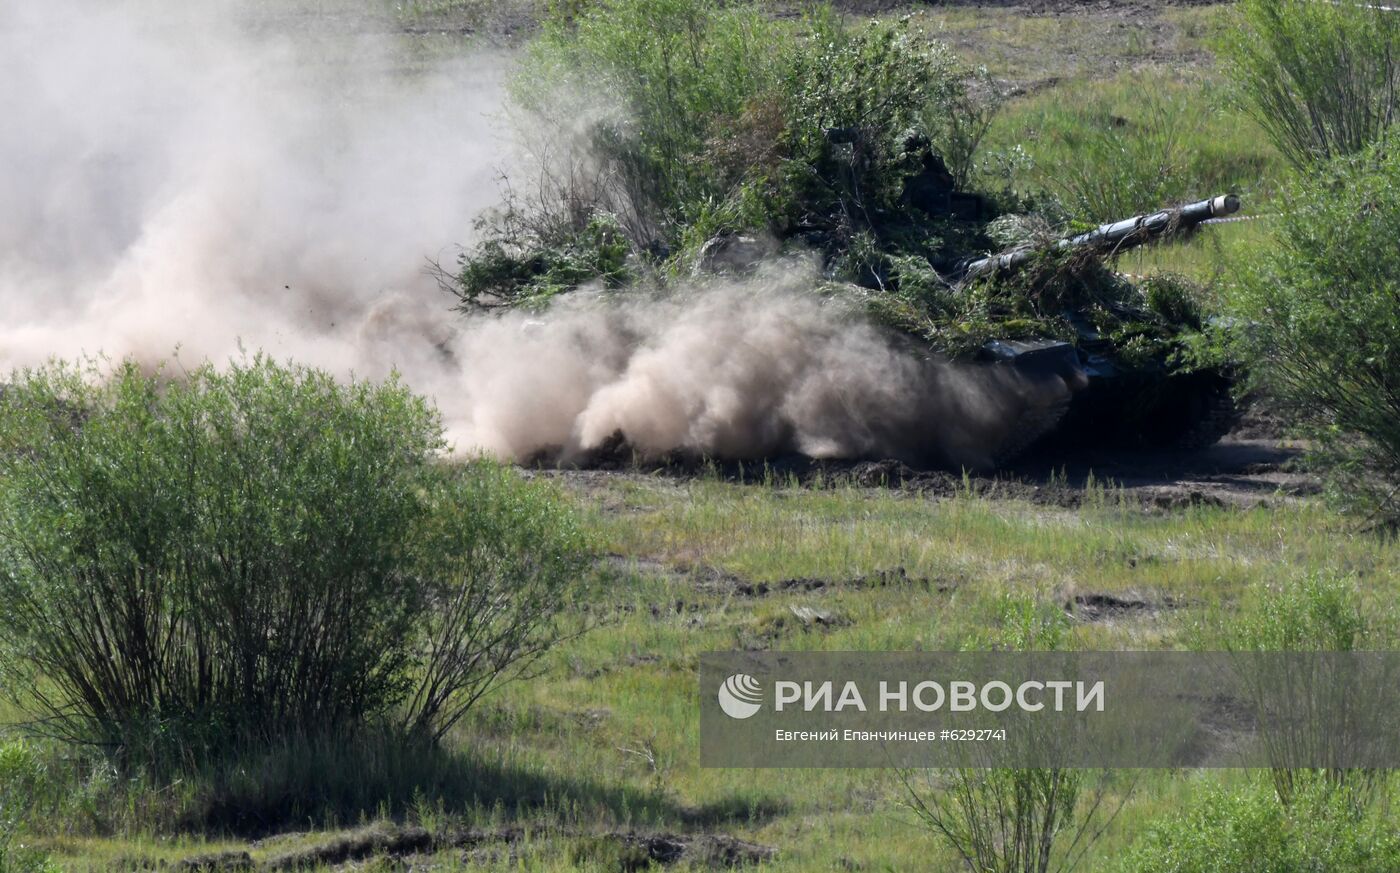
[{"x": 740, "y": 696}]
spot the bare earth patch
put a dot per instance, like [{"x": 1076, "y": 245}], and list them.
[
  {"x": 1238, "y": 472},
  {"x": 416, "y": 848}
]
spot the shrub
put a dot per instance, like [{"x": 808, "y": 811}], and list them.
[
  {"x": 1245, "y": 829},
  {"x": 497, "y": 560},
  {"x": 1322, "y": 79},
  {"x": 255, "y": 553},
  {"x": 1320, "y": 328},
  {"x": 714, "y": 118},
  {"x": 1018, "y": 819},
  {"x": 671, "y": 74},
  {"x": 854, "y": 96},
  {"x": 1316, "y": 613},
  {"x": 19, "y": 771}
]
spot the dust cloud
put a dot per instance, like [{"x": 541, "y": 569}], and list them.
[
  {"x": 733, "y": 369},
  {"x": 195, "y": 177},
  {"x": 203, "y": 176}
]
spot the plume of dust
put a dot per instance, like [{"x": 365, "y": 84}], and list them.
[
  {"x": 733, "y": 369},
  {"x": 179, "y": 178},
  {"x": 194, "y": 176}
]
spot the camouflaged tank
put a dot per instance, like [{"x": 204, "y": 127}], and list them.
[{"x": 1120, "y": 397}]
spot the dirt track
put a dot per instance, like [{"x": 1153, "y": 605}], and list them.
[{"x": 1239, "y": 472}]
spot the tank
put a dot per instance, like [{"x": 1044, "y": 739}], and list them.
[{"x": 1120, "y": 397}]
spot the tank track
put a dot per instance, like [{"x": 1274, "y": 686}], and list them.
[
  {"x": 1035, "y": 422},
  {"x": 1219, "y": 416}
]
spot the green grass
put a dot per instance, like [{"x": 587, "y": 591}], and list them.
[
  {"x": 1035, "y": 49},
  {"x": 607, "y": 739},
  {"x": 1137, "y": 141},
  {"x": 640, "y": 669},
  {"x": 1213, "y": 254}
]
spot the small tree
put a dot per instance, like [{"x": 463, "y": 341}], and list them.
[
  {"x": 1318, "y": 321},
  {"x": 257, "y": 553},
  {"x": 1018, "y": 819},
  {"x": 1322, "y": 78}
]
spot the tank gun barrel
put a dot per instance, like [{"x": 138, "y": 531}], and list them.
[{"x": 1117, "y": 235}]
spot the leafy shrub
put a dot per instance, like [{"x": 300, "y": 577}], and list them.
[
  {"x": 19, "y": 771},
  {"x": 1017, "y": 819},
  {"x": 661, "y": 77},
  {"x": 854, "y": 96},
  {"x": 257, "y": 553},
  {"x": 1322, "y": 79},
  {"x": 497, "y": 560},
  {"x": 1245, "y": 829},
  {"x": 1319, "y": 325},
  {"x": 702, "y": 118},
  {"x": 1315, "y": 613}
]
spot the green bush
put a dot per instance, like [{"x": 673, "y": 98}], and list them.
[
  {"x": 1314, "y": 613},
  {"x": 498, "y": 561},
  {"x": 1317, "y": 613},
  {"x": 1246, "y": 829},
  {"x": 854, "y": 98},
  {"x": 257, "y": 553},
  {"x": 1317, "y": 321},
  {"x": 1322, "y": 79},
  {"x": 1018, "y": 819},
  {"x": 656, "y": 80},
  {"x": 19, "y": 771},
  {"x": 680, "y": 120}
]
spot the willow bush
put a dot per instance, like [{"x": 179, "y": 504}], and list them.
[
  {"x": 1318, "y": 321},
  {"x": 1321, "y": 78},
  {"x": 257, "y": 552}
]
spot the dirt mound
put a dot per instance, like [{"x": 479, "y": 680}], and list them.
[
  {"x": 633, "y": 850},
  {"x": 1099, "y": 608}
]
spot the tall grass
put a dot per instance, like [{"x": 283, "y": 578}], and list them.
[
  {"x": 1109, "y": 149},
  {"x": 20, "y": 775},
  {"x": 1321, "y": 78}
]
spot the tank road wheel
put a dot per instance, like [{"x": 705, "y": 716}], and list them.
[
  {"x": 1037, "y": 421},
  {"x": 1215, "y": 414}
]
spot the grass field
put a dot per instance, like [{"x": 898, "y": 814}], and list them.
[
  {"x": 606, "y": 741},
  {"x": 1110, "y": 108}
]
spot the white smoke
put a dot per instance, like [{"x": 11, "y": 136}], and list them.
[{"x": 191, "y": 177}]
